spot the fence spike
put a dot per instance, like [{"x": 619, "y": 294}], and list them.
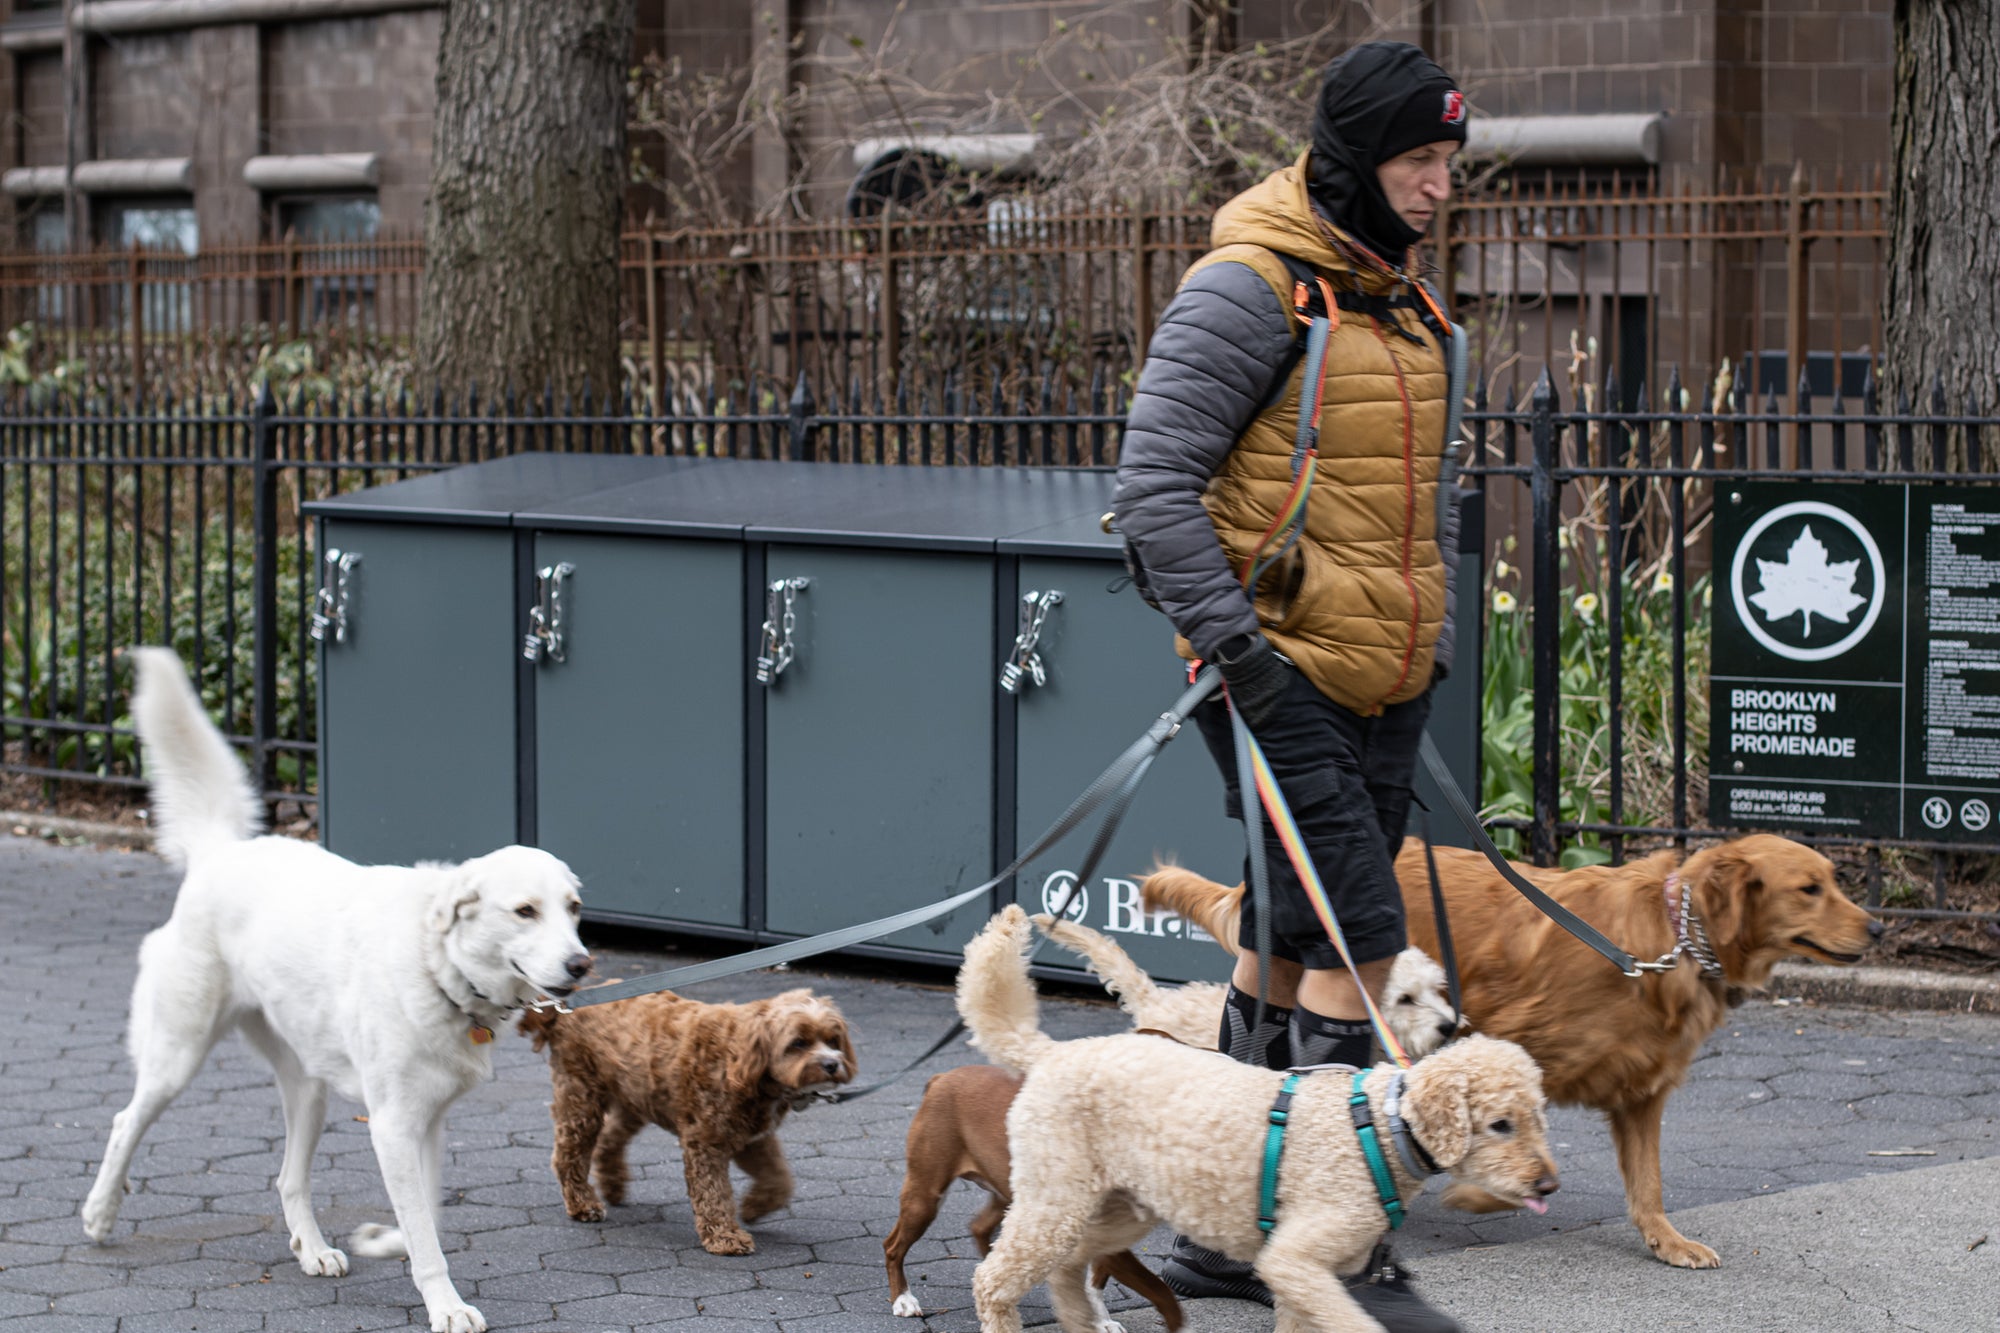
[{"x": 1803, "y": 395}]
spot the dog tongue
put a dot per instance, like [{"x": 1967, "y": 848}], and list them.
[{"x": 1535, "y": 1206}]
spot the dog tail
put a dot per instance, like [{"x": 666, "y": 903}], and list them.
[
  {"x": 995, "y": 997},
  {"x": 1209, "y": 905},
  {"x": 201, "y": 792},
  {"x": 1125, "y": 979},
  {"x": 373, "y": 1240}
]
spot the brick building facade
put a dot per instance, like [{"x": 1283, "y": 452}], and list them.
[{"x": 333, "y": 99}]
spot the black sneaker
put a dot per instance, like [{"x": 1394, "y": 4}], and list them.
[
  {"x": 1195, "y": 1271},
  {"x": 1383, "y": 1290}
]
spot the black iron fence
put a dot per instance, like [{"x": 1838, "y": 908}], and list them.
[
  {"x": 1600, "y": 586},
  {"x": 180, "y": 524}
]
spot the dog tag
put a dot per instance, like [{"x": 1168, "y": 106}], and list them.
[{"x": 480, "y": 1035}]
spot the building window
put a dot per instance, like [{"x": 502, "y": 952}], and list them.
[
  {"x": 48, "y": 234},
  {"x": 165, "y": 229},
  {"x": 340, "y": 261},
  {"x": 150, "y": 225}
]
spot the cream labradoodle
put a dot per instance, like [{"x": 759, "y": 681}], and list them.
[{"x": 1113, "y": 1135}]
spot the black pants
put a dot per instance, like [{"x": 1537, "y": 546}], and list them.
[{"x": 1347, "y": 780}]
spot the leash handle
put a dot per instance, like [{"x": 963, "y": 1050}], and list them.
[{"x": 1555, "y": 911}]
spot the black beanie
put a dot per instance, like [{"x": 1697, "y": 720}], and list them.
[{"x": 1377, "y": 101}]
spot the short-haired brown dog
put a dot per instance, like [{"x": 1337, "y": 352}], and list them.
[
  {"x": 960, "y": 1133},
  {"x": 720, "y": 1077}
]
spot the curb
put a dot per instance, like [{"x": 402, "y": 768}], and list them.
[
  {"x": 29, "y": 824},
  {"x": 1887, "y": 987},
  {"x": 1863, "y": 987}
]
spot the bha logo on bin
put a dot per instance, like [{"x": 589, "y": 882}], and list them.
[
  {"x": 1808, "y": 581},
  {"x": 1124, "y": 913}
]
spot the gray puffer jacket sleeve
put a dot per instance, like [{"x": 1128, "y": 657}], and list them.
[{"x": 1222, "y": 344}]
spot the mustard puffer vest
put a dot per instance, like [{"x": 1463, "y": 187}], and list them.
[{"x": 1358, "y": 603}]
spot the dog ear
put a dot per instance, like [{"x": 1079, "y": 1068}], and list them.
[
  {"x": 1435, "y": 1103},
  {"x": 1722, "y": 895},
  {"x": 752, "y": 1051},
  {"x": 456, "y": 899}
]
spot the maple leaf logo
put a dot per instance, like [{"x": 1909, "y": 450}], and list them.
[{"x": 1805, "y": 582}]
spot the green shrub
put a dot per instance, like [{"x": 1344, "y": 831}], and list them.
[{"x": 1584, "y": 711}]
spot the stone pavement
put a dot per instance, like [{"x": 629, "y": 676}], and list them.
[{"x": 1768, "y": 1157}]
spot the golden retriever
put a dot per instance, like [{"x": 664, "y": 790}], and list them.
[
  {"x": 720, "y": 1077},
  {"x": 1112, "y": 1135},
  {"x": 1604, "y": 1040}
]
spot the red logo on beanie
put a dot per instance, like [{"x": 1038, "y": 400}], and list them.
[{"x": 1454, "y": 108}]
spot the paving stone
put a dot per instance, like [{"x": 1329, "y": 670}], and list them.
[
  {"x": 125, "y": 1299},
  {"x": 1783, "y": 1095}
]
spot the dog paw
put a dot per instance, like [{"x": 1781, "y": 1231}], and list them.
[
  {"x": 460, "y": 1318},
  {"x": 1110, "y": 1326},
  {"x": 590, "y": 1212},
  {"x": 729, "y": 1242},
  {"x": 907, "y": 1306},
  {"x": 324, "y": 1262},
  {"x": 99, "y": 1212},
  {"x": 1684, "y": 1253}
]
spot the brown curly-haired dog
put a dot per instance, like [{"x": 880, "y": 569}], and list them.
[{"x": 720, "y": 1077}]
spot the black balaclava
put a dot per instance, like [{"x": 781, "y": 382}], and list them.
[{"x": 1377, "y": 101}]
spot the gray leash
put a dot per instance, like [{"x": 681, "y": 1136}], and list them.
[{"x": 1116, "y": 785}]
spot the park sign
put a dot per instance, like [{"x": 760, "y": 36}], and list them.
[{"x": 1855, "y": 670}]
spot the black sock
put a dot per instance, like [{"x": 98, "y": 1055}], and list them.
[
  {"x": 1318, "y": 1040},
  {"x": 1267, "y": 1045}
]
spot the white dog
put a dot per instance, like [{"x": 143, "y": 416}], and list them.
[
  {"x": 1415, "y": 1001},
  {"x": 383, "y": 982}
]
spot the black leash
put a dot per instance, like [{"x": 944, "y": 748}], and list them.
[
  {"x": 1448, "y": 955},
  {"x": 1555, "y": 911}
]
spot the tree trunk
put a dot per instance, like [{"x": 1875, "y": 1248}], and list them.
[
  {"x": 1944, "y": 209},
  {"x": 528, "y": 174}
]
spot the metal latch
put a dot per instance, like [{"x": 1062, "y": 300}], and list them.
[
  {"x": 545, "y": 617},
  {"x": 1025, "y": 660},
  {"x": 776, "y": 651},
  {"x": 330, "y": 602}
]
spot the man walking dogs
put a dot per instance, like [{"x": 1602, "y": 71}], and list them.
[{"x": 1328, "y": 636}]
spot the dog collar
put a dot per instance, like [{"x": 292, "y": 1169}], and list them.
[
  {"x": 1690, "y": 937},
  {"x": 481, "y": 1022},
  {"x": 1416, "y": 1161}
]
